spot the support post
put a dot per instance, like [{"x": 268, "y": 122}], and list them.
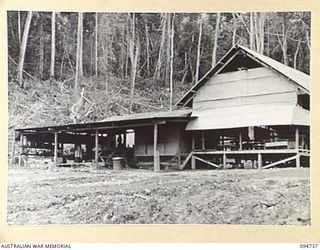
[
  {"x": 193, "y": 142},
  {"x": 260, "y": 161},
  {"x": 224, "y": 160},
  {"x": 193, "y": 162},
  {"x": 202, "y": 140},
  {"x": 298, "y": 161},
  {"x": 55, "y": 151},
  {"x": 297, "y": 138},
  {"x": 13, "y": 147},
  {"x": 125, "y": 139},
  {"x": 20, "y": 149},
  {"x": 96, "y": 148},
  {"x": 240, "y": 141},
  {"x": 156, "y": 155}
]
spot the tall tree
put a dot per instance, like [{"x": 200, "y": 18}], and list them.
[
  {"x": 163, "y": 36},
  {"x": 41, "y": 48},
  {"x": 19, "y": 27},
  {"x": 79, "y": 53},
  {"x": 134, "y": 54},
  {"x": 96, "y": 46},
  {"x": 171, "y": 62},
  {"x": 23, "y": 47},
  {"x": 53, "y": 44},
  {"x": 199, "y": 50},
  {"x": 215, "y": 41}
]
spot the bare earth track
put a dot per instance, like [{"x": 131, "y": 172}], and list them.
[{"x": 99, "y": 196}]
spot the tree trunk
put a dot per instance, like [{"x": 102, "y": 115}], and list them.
[
  {"x": 215, "y": 42},
  {"x": 41, "y": 49},
  {"x": 23, "y": 47},
  {"x": 96, "y": 47},
  {"x": 159, "y": 62},
  {"x": 134, "y": 54},
  {"x": 53, "y": 43},
  {"x": 234, "y": 32},
  {"x": 81, "y": 47},
  {"x": 296, "y": 55},
  {"x": 19, "y": 27},
  {"x": 168, "y": 53},
  {"x": 171, "y": 62},
  {"x": 147, "y": 48},
  {"x": 251, "y": 33},
  {"x": 79, "y": 54},
  {"x": 198, "y": 51}
]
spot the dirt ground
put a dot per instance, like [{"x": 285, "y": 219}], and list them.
[{"x": 38, "y": 195}]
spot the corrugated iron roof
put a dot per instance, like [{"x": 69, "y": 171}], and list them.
[
  {"x": 249, "y": 115},
  {"x": 298, "y": 77},
  {"x": 119, "y": 120},
  {"x": 150, "y": 115}
]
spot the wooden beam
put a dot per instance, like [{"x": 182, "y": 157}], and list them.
[
  {"x": 253, "y": 151},
  {"x": 13, "y": 147},
  {"x": 240, "y": 140},
  {"x": 297, "y": 138},
  {"x": 186, "y": 160},
  {"x": 207, "y": 162},
  {"x": 202, "y": 140},
  {"x": 259, "y": 161},
  {"x": 125, "y": 138},
  {"x": 224, "y": 156},
  {"x": 20, "y": 149},
  {"x": 279, "y": 162},
  {"x": 55, "y": 151},
  {"x": 193, "y": 142},
  {"x": 298, "y": 161},
  {"x": 96, "y": 149},
  {"x": 193, "y": 162},
  {"x": 156, "y": 156}
]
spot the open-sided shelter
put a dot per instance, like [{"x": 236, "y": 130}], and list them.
[{"x": 247, "y": 111}]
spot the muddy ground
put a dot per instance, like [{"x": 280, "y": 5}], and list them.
[{"x": 37, "y": 195}]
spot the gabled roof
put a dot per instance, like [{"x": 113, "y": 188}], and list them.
[{"x": 296, "y": 76}]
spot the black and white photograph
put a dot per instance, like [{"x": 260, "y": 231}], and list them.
[{"x": 158, "y": 118}]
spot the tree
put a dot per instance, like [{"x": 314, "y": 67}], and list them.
[
  {"x": 23, "y": 47},
  {"x": 171, "y": 62},
  {"x": 215, "y": 42},
  {"x": 53, "y": 43},
  {"x": 96, "y": 46},
  {"x": 79, "y": 71},
  {"x": 198, "y": 50},
  {"x": 134, "y": 54}
]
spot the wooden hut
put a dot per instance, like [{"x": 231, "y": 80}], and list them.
[{"x": 247, "y": 111}]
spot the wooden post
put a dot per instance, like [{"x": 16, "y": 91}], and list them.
[
  {"x": 20, "y": 149},
  {"x": 202, "y": 140},
  {"x": 193, "y": 142},
  {"x": 193, "y": 162},
  {"x": 222, "y": 142},
  {"x": 125, "y": 139},
  {"x": 259, "y": 161},
  {"x": 55, "y": 151},
  {"x": 298, "y": 161},
  {"x": 224, "y": 160},
  {"x": 240, "y": 141},
  {"x": 156, "y": 155},
  {"x": 13, "y": 147},
  {"x": 96, "y": 149},
  {"x": 297, "y": 138}
]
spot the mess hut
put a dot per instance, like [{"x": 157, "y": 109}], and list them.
[{"x": 248, "y": 111}]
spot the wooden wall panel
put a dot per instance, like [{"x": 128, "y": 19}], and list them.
[{"x": 251, "y": 86}]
